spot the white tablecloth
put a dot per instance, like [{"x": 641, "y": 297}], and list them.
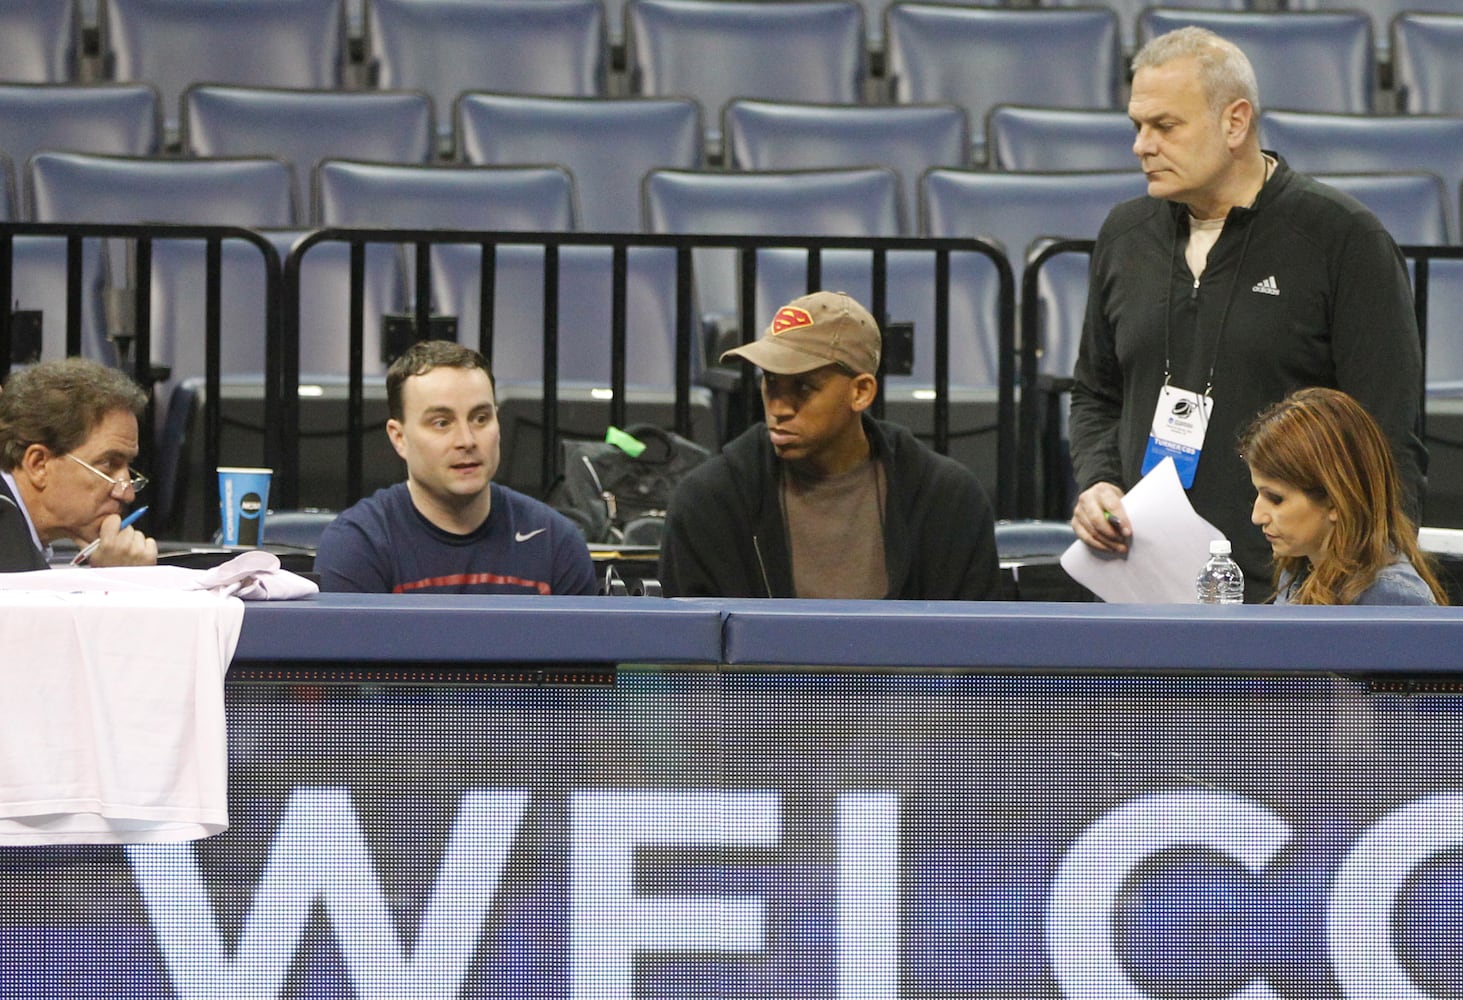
[{"x": 112, "y": 715}]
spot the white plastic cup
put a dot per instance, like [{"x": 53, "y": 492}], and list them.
[{"x": 243, "y": 498}]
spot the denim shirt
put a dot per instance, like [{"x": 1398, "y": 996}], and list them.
[{"x": 1397, "y": 584}]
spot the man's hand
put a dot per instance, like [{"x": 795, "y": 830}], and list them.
[
  {"x": 1100, "y": 521},
  {"x": 127, "y": 547}
]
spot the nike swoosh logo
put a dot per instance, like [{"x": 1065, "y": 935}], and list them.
[{"x": 523, "y": 536}]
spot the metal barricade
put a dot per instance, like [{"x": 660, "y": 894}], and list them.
[
  {"x": 137, "y": 356},
  {"x": 746, "y": 249}
]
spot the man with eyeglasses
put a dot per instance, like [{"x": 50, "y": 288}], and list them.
[
  {"x": 68, "y": 437},
  {"x": 822, "y": 500}
]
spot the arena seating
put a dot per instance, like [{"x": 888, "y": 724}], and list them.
[
  {"x": 978, "y": 58},
  {"x": 1128, "y": 11},
  {"x": 910, "y": 138},
  {"x": 1427, "y": 61},
  {"x": 1330, "y": 143},
  {"x": 123, "y": 118},
  {"x": 1020, "y": 137},
  {"x": 446, "y": 47},
  {"x": 579, "y": 133},
  {"x": 174, "y": 43},
  {"x": 40, "y": 40},
  {"x": 845, "y": 202},
  {"x": 715, "y": 51},
  {"x": 304, "y": 127},
  {"x": 1304, "y": 61}
]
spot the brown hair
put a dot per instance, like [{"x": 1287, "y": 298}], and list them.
[
  {"x": 422, "y": 357},
  {"x": 58, "y": 403},
  {"x": 1323, "y": 443}
]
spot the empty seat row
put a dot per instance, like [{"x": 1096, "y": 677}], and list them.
[
  {"x": 609, "y": 144},
  {"x": 1012, "y": 210},
  {"x": 1025, "y": 139},
  {"x": 717, "y": 50},
  {"x": 855, "y": 202}
]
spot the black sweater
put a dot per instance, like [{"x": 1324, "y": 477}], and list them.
[
  {"x": 725, "y": 535},
  {"x": 1343, "y": 317}
]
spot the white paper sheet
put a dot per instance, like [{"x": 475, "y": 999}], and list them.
[
  {"x": 254, "y": 575},
  {"x": 1170, "y": 544}
]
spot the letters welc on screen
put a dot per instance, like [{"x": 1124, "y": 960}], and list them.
[{"x": 690, "y": 835}]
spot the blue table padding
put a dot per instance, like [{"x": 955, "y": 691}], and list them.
[
  {"x": 480, "y": 629},
  {"x": 1023, "y": 637},
  {"x": 1095, "y": 637}
]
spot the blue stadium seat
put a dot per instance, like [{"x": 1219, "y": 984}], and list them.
[
  {"x": 1427, "y": 63},
  {"x": 1017, "y": 209},
  {"x": 718, "y": 50},
  {"x": 874, "y": 11},
  {"x": 1411, "y": 205},
  {"x": 607, "y": 144},
  {"x": 909, "y": 138},
  {"x": 304, "y": 127},
  {"x": 853, "y": 202},
  {"x": 380, "y": 195},
  {"x": 1128, "y": 11},
  {"x": 528, "y": 199},
  {"x": 37, "y": 270},
  {"x": 85, "y": 118},
  {"x": 441, "y": 196},
  {"x": 1304, "y": 61},
  {"x": 79, "y": 187},
  {"x": 1381, "y": 12},
  {"x": 40, "y": 40},
  {"x": 979, "y": 58},
  {"x": 584, "y": 347},
  {"x": 1020, "y": 211},
  {"x": 255, "y": 192},
  {"x": 1330, "y": 143},
  {"x": 447, "y": 47},
  {"x": 1027, "y": 138},
  {"x": 175, "y": 43}
]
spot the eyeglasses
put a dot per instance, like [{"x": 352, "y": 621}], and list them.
[{"x": 136, "y": 480}]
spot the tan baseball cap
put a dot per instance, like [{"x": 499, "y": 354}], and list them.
[{"x": 824, "y": 328}]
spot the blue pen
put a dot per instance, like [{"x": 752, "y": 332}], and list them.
[{"x": 85, "y": 553}]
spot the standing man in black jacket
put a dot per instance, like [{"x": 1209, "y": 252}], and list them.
[
  {"x": 1234, "y": 283},
  {"x": 822, "y": 500}
]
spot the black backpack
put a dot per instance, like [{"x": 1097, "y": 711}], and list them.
[{"x": 605, "y": 491}]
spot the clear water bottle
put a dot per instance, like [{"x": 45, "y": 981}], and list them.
[{"x": 1220, "y": 581}]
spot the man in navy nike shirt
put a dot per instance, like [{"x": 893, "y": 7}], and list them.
[{"x": 449, "y": 529}]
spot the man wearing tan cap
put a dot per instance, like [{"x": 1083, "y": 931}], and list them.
[{"x": 822, "y": 500}]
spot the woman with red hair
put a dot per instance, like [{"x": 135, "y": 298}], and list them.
[{"x": 1329, "y": 501}]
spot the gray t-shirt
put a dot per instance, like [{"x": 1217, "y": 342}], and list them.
[{"x": 835, "y": 527}]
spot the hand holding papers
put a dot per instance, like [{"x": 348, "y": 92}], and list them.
[{"x": 1169, "y": 545}]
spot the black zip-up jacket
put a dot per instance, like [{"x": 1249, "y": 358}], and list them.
[
  {"x": 725, "y": 534},
  {"x": 1305, "y": 288}
]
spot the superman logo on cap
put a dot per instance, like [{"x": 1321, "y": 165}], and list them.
[{"x": 790, "y": 318}]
